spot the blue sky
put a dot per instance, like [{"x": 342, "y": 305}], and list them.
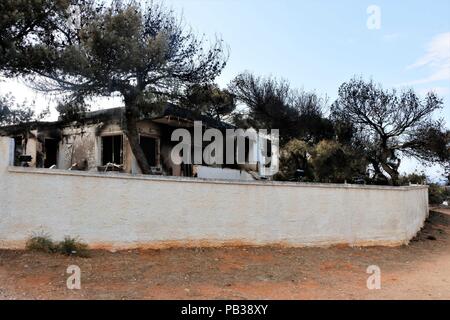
[{"x": 317, "y": 45}]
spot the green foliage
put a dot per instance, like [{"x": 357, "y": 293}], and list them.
[
  {"x": 293, "y": 156},
  {"x": 326, "y": 161},
  {"x": 412, "y": 178},
  {"x": 273, "y": 104},
  {"x": 209, "y": 99},
  {"x": 333, "y": 162},
  {"x": 72, "y": 246},
  {"x": 143, "y": 52},
  {"x": 73, "y": 109},
  {"x": 388, "y": 126},
  {"x": 438, "y": 194},
  {"x": 24, "y": 21},
  {"x": 126, "y": 47},
  {"x": 41, "y": 243},
  {"x": 140, "y": 50}
]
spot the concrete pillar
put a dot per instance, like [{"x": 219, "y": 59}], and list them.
[{"x": 6, "y": 153}]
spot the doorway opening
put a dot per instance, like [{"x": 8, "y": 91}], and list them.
[
  {"x": 51, "y": 152},
  {"x": 149, "y": 146}
]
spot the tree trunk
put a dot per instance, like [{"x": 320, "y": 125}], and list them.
[
  {"x": 393, "y": 173},
  {"x": 388, "y": 165},
  {"x": 132, "y": 133}
]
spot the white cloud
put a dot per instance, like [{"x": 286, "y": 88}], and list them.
[{"x": 436, "y": 59}]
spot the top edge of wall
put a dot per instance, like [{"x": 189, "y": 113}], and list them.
[{"x": 210, "y": 181}]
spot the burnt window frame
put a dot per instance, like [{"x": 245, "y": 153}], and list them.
[
  {"x": 18, "y": 149},
  {"x": 157, "y": 147},
  {"x": 102, "y": 150}
]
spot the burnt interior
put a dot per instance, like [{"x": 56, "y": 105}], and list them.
[
  {"x": 112, "y": 149},
  {"x": 149, "y": 146}
]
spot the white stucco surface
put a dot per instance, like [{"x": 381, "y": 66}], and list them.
[
  {"x": 124, "y": 211},
  {"x": 205, "y": 172}
]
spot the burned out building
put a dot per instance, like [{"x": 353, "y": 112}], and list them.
[{"x": 97, "y": 142}]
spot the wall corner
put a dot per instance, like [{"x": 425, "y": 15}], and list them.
[{"x": 6, "y": 152}]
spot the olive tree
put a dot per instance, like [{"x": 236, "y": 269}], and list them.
[{"x": 389, "y": 125}]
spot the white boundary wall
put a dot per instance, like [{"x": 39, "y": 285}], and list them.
[{"x": 124, "y": 211}]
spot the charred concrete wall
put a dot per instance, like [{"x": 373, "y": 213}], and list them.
[
  {"x": 79, "y": 145},
  {"x": 124, "y": 211},
  {"x": 82, "y": 144}
]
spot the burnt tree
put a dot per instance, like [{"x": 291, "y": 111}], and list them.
[
  {"x": 141, "y": 51},
  {"x": 388, "y": 125}
]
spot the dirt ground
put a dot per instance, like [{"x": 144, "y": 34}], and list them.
[{"x": 418, "y": 271}]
